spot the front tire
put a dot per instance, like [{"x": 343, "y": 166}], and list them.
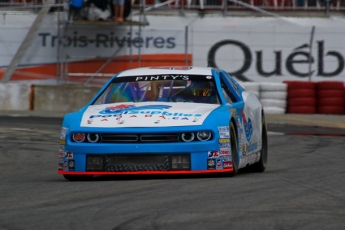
[
  {"x": 261, "y": 165},
  {"x": 234, "y": 149}
]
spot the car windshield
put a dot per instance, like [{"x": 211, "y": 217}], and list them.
[{"x": 170, "y": 88}]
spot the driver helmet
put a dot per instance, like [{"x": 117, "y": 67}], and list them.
[{"x": 202, "y": 88}]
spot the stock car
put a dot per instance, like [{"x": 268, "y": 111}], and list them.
[{"x": 165, "y": 120}]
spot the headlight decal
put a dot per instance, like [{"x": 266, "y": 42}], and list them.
[
  {"x": 187, "y": 137},
  {"x": 93, "y": 138},
  {"x": 204, "y": 135},
  {"x": 78, "y": 137}
]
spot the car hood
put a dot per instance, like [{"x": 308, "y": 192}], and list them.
[{"x": 146, "y": 114}]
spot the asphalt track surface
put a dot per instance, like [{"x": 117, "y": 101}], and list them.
[{"x": 303, "y": 187}]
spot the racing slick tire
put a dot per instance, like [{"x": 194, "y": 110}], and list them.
[
  {"x": 302, "y": 101},
  {"x": 300, "y": 85},
  {"x": 78, "y": 177},
  {"x": 331, "y": 101},
  {"x": 330, "y": 85},
  {"x": 301, "y": 93},
  {"x": 234, "y": 149},
  {"x": 321, "y": 93},
  {"x": 261, "y": 165}
]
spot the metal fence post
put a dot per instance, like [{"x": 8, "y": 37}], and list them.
[
  {"x": 310, "y": 51},
  {"x": 186, "y": 45}
]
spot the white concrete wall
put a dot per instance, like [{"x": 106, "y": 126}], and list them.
[
  {"x": 15, "y": 96},
  {"x": 62, "y": 98}
]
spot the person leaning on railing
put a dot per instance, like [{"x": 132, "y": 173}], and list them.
[{"x": 119, "y": 8}]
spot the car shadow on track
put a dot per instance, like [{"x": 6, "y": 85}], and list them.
[
  {"x": 155, "y": 177},
  {"x": 243, "y": 171}
]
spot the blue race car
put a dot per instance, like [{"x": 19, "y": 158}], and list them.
[{"x": 165, "y": 120}]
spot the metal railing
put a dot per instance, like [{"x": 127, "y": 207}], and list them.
[
  {"x": 13, "y": 4},
  {"x": 219, "y": 5}
]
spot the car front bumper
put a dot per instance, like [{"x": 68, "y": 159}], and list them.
[{"x": 202, "y": 157}]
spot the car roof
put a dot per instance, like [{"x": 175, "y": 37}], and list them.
[{"x": 158, "y": 70}]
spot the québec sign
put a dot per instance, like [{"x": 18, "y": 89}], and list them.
[{"x": 299, "y": 55}]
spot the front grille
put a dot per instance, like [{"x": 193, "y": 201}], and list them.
[
  {"x": 119, "y": 138},
  {"x": 114, "y": 138},
  {"x": 129, "y": 138},
  {"x": 134, "y": 163},
  {"x": 158, "y": 138}
]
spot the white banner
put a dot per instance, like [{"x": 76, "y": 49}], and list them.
[
  {"x": 258, "y": 49},
  {"x": 272, "y": 49}
]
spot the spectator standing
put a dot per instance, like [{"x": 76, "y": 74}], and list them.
[{"x": 119, "y": 7}]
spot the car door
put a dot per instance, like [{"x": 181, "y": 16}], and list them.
[{"x": 247, "y": 111}]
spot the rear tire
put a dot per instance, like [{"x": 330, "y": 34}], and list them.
[
  {"x": 261, "y": 165},
  {"x": 78, "y": 177},
  {"x": 234, "y": 149}
]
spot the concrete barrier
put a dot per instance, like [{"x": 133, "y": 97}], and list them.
[
  {"x": 14, "y": 96},
  {"x": 62, "y": 98},
  {"x": 69, "y": 98}
]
